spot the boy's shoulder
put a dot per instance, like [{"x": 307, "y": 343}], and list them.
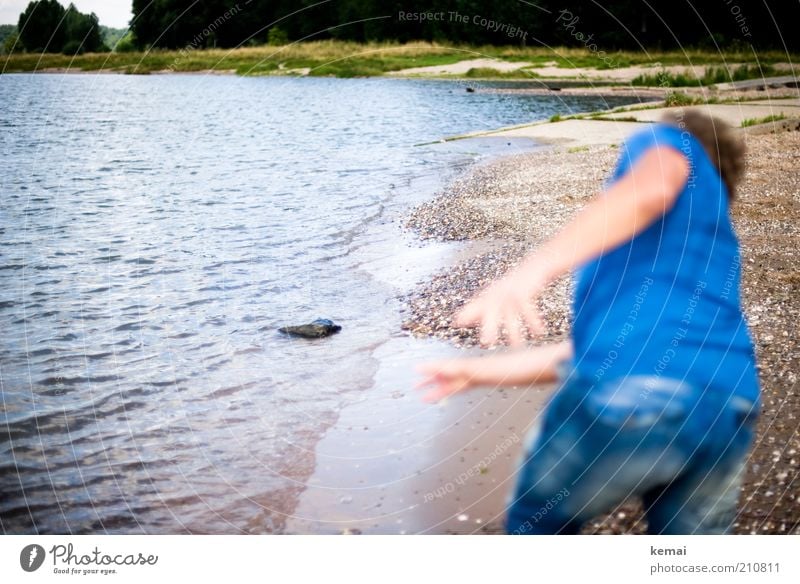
[{"x": 656, "y": 134}]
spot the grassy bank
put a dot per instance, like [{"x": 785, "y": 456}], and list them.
[
  {"x": 345, "y": 59},
  {"x": 711, "y": 76}
]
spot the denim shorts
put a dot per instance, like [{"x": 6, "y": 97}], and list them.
[{"x": 679, "y": 448}]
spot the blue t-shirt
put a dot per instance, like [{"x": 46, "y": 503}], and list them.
[{"x": 667, "y": 302}]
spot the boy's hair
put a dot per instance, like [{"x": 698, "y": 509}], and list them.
[{"x": 722, "y": 143}]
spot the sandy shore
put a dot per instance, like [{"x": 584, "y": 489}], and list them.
[
  {"x": 551, "y": 70},
  {"x": 516, "y": 202}
]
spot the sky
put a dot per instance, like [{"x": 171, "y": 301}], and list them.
[{"x": 113, "y": 13}]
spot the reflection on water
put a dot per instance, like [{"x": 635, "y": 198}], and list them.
[{"x": 154, "y": 233}]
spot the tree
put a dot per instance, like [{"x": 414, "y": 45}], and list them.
[
  {"x": 40, "y": 26},
  {"x": 46, "y": 25},
  {"x": 82, "y": 32},
  {"x": 11, "y": 43},
  {"x": 7, "y": 30}
]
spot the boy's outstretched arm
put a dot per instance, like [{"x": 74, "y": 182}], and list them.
[
  {"x": 524, "y": 367},
  {"x": 634, "y": 202}
]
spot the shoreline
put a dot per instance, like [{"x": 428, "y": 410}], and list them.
[
  {"x": 392, "y": 464},
  {"x": 518, "y": 201}
]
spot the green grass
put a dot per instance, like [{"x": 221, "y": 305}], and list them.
[
  {"x": 575, "y": 149},
  {"x": 347, "y": 59},
  {"x": 678, "y": 98},
  {"x": 489, "y": 73},
  {"x": 711, "y": 76},
  {"x": 605, "y": 118},
  {"x": 764, "y": 120},
  {"x": 570, "y": 57},
  {"x": 555, "y": 118},
  {"x": 323, "y": 58}
]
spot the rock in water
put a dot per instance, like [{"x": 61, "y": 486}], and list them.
[{"x": 322, "y": 327}]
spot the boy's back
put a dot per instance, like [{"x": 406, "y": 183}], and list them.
[{"x": 667, "y": 302}]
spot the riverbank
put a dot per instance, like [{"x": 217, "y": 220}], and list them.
[
  {"x": 517, "y": 202},
  {"x": 422, "y": 59}
]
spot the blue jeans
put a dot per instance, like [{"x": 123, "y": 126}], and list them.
[{"x": 680, "y": 449}]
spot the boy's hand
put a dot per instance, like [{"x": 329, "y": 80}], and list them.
[
  {"x": 446, "y": 378},
  {"x": 505, "y": 369},
  {"x": 506, "y": 305}
]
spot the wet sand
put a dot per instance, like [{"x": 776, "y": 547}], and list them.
[{"x": 393, "y": 464}]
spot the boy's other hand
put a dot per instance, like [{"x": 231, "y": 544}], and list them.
[{"x": 444, "y": 378}]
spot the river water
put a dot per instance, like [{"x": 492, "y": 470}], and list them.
[{"x": 155, "y": 232}]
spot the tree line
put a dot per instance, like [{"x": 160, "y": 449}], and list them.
[{"x": 613, "y": 24}]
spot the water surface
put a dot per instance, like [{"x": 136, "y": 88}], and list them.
[{"x": 154, "y": 232}]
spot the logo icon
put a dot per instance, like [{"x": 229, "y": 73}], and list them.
[{"x": 31, "y": 557}]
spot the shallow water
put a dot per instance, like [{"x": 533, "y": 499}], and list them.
[{"x": 154, "y": 233}]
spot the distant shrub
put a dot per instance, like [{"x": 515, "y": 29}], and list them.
[
  {"x": 277, "y": 37},
  {"x": 492, "y": 73},
  {"x": 676, "y": 98},
  {"x": 72, "y": 47},
  {"x": 482, "y": 72},
  {"x": 126, "y": 44},
  {"x": 11, "y": 44}
]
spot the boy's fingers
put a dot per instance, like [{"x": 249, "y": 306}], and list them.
[
  {"x": 468, "y": 315},
  {"x": 434, "y": 396},
  {"x": 540, "y": 328},
  {"x": 489, "y": 330},
  {"x": 425, "y": 382},
  {"x": 514, "y": 329},
  {"x": 443, "y": 390},
  {"x": 532, "y": 320}
]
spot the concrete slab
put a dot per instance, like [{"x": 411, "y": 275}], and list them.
[
  {"x": 573, "y": 132},
  {"x": 734, "y": 114},
  {"x": 779, "y": 102},
  {"x": 761, "y": 83}
]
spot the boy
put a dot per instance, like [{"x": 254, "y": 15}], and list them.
[{"x": 658, "y": 393}]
